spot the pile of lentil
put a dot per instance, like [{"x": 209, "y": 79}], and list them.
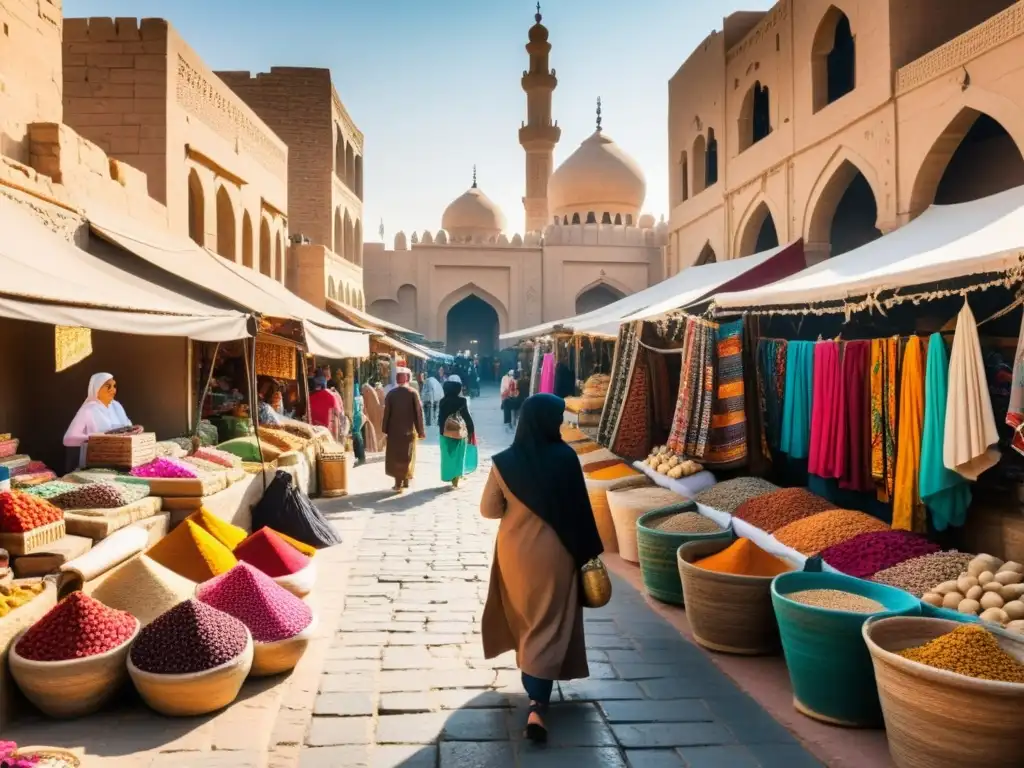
[
  {"x": 836, "y": 600},
  {"x": 191, "y": 637},
  {"x": 728, "y": 496},
  {"x": 76, "y": 628},
  {"x": 686, "y": 522},
  {"x": 919, "y": 574},
  {"x": 271, "y": 612},
  {"x": 811, "y": 535},
  {"x": 780, "y": 508},
  {"x": 969, "y": 650},
  {"x": 864, "y": 555}
]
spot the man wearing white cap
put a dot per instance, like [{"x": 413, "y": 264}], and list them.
[{"x": 403, "y": 424}]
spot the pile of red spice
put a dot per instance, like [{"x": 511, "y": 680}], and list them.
[
  {"x": 270, "y": 611},
  {"x": 22, "y": 512},
  {"x": 77, "y": 627},
  {"x": 191, "y": 637},
  {"x": 271, "y": 554}
]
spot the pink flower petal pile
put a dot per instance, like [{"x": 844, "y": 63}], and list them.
[
  {"x": 163, "y": 467},
  {"x": 271, "y": 612}
]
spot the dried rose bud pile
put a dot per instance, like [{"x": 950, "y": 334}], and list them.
[
  {"x": 191, "y": 637},
  {"x": 270, "y": 611},
  {"x": 22, "y": 512},
  {"x": 77, "y": 627}
]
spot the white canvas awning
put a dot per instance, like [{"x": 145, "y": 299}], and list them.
[
  {"x": 178, "y": 255},
  {"x": 47, "y": 279},
  {"x": 946, "y": 242}
]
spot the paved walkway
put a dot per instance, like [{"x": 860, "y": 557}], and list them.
[{"x": 396, "y": 675}]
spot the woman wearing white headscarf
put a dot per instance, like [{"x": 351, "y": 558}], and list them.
[
  {"x": 431, "y": 396},
  {"x": 99, "y": 413}
]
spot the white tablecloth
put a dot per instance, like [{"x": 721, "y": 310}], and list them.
[{"x": 684, "y": 486}]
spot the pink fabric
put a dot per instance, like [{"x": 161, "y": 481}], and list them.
[
  {"x": 826, "y": 412},
  {"x": 321, "y": 403},
  {"x": 547, "y": 374}
]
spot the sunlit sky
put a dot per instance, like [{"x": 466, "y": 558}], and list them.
[{"x": 435, "y": 84}]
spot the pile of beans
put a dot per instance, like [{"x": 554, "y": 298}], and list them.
[
  {"x": 836, "y": 600},
  {"x": 191, "y": 637},
  {"x": 919, "y": 574},
  {"x": 270, "y": 611},
  {"x": 727, "y": 496},
  {"x": 812, "y": 534},
  {"x": 969, "y": 650},
  {"x": 686, "y": 522},
  {"x": 863, "y": 556},
  {"x": 77, "y": 627},
  {"x": 103, "y": 495},
  {"x": 780, "y": 508}
]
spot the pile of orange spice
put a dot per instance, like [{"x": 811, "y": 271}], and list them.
[{"x": 744, "y": 558}]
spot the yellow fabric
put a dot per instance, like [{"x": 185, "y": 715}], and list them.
[
  {"x": 744, "y": 558},
  {"x": 908, "y": 513},
  {"x": 615, "y": 472}
]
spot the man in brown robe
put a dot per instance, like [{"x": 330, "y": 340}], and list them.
[{"x": 403, "y": 424}]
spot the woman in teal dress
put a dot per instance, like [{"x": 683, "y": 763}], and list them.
[{"x": 458, "y": 454}]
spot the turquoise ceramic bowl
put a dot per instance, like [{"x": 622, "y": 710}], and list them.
[{"x": 829, "y": 665}]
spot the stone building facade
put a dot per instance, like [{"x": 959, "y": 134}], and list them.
[
  {"x": 839, "y": 121},
  {"x": 325, "y": 177}
]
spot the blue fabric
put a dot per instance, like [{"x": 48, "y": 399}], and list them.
[
  {"x": 796, "y": 406},
  {"x": 538, "y": 690},
  {"x": 944, "y": 492}
]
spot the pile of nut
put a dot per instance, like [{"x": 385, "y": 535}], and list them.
[
  {"x": 989, "y": 588},
  {"x": 665, "y": 462}
]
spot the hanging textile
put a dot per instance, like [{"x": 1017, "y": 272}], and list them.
[
  {"x": 771, "y": 385},
  {"x": 758, "y": 460},
  {"x": 884, "y": 411},
  {"x": 908, "y": 513},
  {"x": 700, "y": 422},
  {"x": 727, "y": 441},
  {"x": 631, "y": 438},
  {"x": 945, "y": 493},
  {"x": 689, "y": 380},
  {"x": 854, "y": 457},
  {"x": 662, "y": 397},
  {"x": 971, "y": 435},
  {"x": 825, "y": 413},
  {"x": 1015, "y": 413},
  {"x": 622, "y": 371},
  {"x": 547, "y": 374},
  {"x": 796, "y": 410}
]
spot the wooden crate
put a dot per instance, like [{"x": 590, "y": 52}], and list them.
[
  {"x": 18, "y": 544},
  {"x": 120, "y": 451}
]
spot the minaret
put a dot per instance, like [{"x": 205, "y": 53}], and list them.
[{"x": 539, "y": 134}]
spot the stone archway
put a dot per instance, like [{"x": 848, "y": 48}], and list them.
[
  {"x": 976, "y": 155},
  {"x": 843, "y": 212},
  {"x": 196, "y": 208},
  {"x": 454, "y": 298},
  {"x": 597, "y": 295},
  {"x": 759, "y": 233}
]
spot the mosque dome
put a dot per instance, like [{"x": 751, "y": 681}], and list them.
[
  {"x": 538, "y": 32},
  {"x": 598, "y": 178},
  {"x": 473, "y": 216}
]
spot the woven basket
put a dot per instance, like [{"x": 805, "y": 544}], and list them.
[
  {"x": 657, "y": 550},
  {"x": 627, "y": 505},
  {"x": 333, "y": 472},
  {"x": 120, "y": 451},
  {"x": 197, "y": 693},
  {"x": 274, "y": 658},
  {"x": 939, "y": 719},
  {"x": 32, "y": 541},
  {"x": 727, "y": 612},
  {"x": 67, "y": 689},
  {"x": 597, "y": 490},
  {"x": 42, "y": 753},
  {"x": 299, "y": 583}
]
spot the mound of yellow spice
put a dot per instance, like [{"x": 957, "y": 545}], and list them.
[{"x": 969, "y": 650}]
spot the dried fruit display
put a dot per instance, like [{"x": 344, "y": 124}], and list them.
[
  {"x": 191, "y": 637},
  {"x": 21, "y": 512},
  {"x": 77, "y": 627}
]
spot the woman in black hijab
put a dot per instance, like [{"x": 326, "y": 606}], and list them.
[{"x": 547, "y": 534}]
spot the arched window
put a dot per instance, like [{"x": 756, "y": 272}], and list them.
[
  {"x": 684, "y": 178},
  {"x": 359, "y": 177},
  {"x": 357, "y": 244},
  {"x": 606, "y": 218},
  {"x": 834, "y": 66},
  {"x": 332, "y": 292},
  {"x": 225, "y": 225},
  {"x": 247, "y": 241},
  {"x": 278, "y": 260},
  {"x": 618, "y": 218},
  {"x": 196, "y": 209},
  {"x": 575, "y": 218},
  {"x": 629, "y": 219},
  {"x": 699, "y": 164},
  {"x": 266, "y": 248},
  {"x": 591, "y": 218},
  {"x": 755, "y": 116},
  {"x": 350, "y": 167},
  {"x": 711, "y": 160},
  {"x": 339, "y": 234}
]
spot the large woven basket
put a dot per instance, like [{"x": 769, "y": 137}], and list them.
[
  {"x": 657, "y": 552},
  {"x": 627, "y": 505},
  {"x": 727, "y": 612},
  {"x": 120, "y": 451},
  {"x": 281, "y": 656},
  {"x": 197, "y": 693},
  {"x": 333, "y": 469},
  {"x": 74, "y": 688},
  {"x": 18, "y": 544},
  {"x": 597, "y": 490},
  {"x": 939, "y": 719},
  {"x": 828, "y": 662}
]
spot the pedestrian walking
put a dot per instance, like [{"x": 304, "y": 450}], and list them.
[
  {"x": 403, "y": 425},
  {"x": 546, "y": 535},
  {"x": 458, "y": 434},
  {"x": 431, "y": 394}
]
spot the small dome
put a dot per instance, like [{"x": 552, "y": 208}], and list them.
[
  {"x": 597, "y": 178},
  {"x": 473, "y": 215},
  {"x": 646, "y": 221},
  {"x": 538, "y": 32}
]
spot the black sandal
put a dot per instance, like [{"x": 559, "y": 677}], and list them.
[{"x": 536, "y": 732}]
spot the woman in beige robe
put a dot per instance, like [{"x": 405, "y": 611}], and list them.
[
  {"x": 547, "y": 533},
  {"x": 373, "y": 411}
]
